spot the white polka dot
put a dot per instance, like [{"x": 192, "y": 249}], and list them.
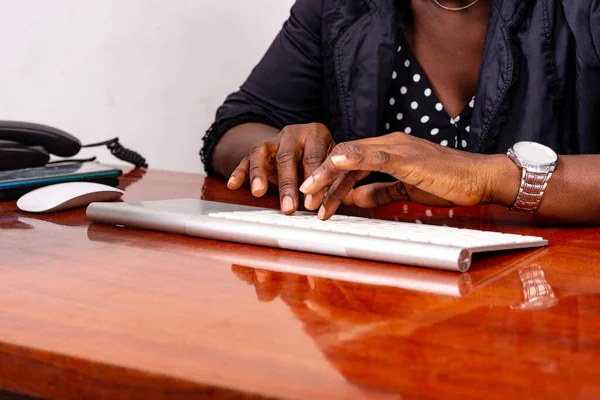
[
  {"x": 444, "y": 143},
  {"x": 407, "y": 63},
  {"x": 394, "y": 75},
  {"x": 457, "y": 118},
  {"x": 416, "y": 77},
  {"x": 472, "y": 102},
  {"x": 399, "y": 48},
  {"x": 408, "y": 129},
  {"x": 414, "y": 105},
  {"x": 424, "y": 119},
  {"x": 452, "y": 121},
  {"x": 418, "y": 221},
  {"x": 468, "y": 129},
  {"x": 428, "y": 212},
  {"x": 451, "y": 213},
  {"x": 392, "y": 101},
  {"x": 439, "y": 106},
  {"x": 435, "y": 131},
  {"x": 387, "y": 126},
  {"x": 403, "y": 90},
  {"x": 399, "y": 116},
  {"x": 463, "y": 143},
  {"x": 427, "y": 92}
]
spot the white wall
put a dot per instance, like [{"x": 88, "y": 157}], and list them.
[{"x": 151, "y": 72}]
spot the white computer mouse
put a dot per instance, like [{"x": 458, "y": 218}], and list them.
[{"x": 66, "y": 195}]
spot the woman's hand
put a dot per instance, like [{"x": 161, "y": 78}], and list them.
[
  {"x": 427, "y": 173},
  {"x": 297, "y": 149}
]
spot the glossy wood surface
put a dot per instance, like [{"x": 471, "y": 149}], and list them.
[{"x": 95, "y": 311}]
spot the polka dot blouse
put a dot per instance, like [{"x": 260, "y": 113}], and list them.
[{"x": 413, "y": 108}]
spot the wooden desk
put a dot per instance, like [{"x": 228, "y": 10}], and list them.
[{"x": 106, "y": 312}]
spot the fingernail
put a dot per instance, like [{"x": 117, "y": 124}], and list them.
[
  {"x": 321, "y": 212},
  {"x": 307, "y": 184},
  {"x": 308, "y": 200},
  {"x": 257, "y": 185},
  {"x": 287, "y": 205},
  {"x": 339, "y": 159},
  {"x": 230, "y": 181},
  {"x": 261, "y": 276}
]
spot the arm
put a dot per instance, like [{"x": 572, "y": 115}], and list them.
[
  {"x": 572, "y": 195},
  {"x": 285, "y": 88},
  {"x": 434, "y": 175},
  {"x": 236, "y": 144},
  {"x": 573, "y": 192}
]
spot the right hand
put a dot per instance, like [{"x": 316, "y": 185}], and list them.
[{"x": 278, "y": 161}]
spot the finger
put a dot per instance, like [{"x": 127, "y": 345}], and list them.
[
  {"x": 349, "y": 200},
  {"x": 313, "y": 201},
  {"x": 272, "y": 172},
  {"x": 327, "y": 173},
  {"x": 417, "y": 195},
  {"x": 267, "y": 284},
  {"x": 374, "y": 158},
  {"x": 294, "y": 288},
  {"x": 260, "y": 156},
  {"x": 246, "y": 274},
  {"x": 315, "y": 151},
  {"x": 239, "y": 175},
  {"x": 380, "y": 194},
  {"x": 287, "y": 158},
  {"x": 337, "y": 192}
]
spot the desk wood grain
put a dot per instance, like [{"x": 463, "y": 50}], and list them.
[{"x": 95, "y": 311}]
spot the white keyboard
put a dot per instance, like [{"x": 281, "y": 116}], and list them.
[
  {"x": 395, "y": 241},
  {"x": 414, "y": 244},
  {"x": 406, "y": 231}
]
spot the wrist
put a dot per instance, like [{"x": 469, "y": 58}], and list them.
[{"x": 504, "y": 181}]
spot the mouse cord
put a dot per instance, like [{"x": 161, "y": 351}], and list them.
[{"x": 121, "y": 152}]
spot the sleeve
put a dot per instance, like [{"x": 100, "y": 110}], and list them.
[
  {"x": 284, "y": 88},
  {"x": 595, "y": 25},
  {"x": 583, "y": 18}
]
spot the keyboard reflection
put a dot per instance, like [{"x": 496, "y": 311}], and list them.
[
  {"x": 486, "y": 269},
  {"x": 406, "y": 320}
]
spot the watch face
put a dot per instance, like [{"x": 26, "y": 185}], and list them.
[{"x": 535, "y": 153}]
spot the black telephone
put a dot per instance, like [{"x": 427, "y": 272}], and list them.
[{"x": 29, "y": 145}]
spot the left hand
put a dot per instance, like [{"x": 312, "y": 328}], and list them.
[{"x": 427, "y": 173}]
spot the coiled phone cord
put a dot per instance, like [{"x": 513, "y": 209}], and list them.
[{"x": 121, "y": 152}]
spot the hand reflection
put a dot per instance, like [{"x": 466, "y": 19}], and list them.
[
  {"x": 270, "y": 285},
  {"x": 347, "y": 309},
  {"x": 298, "y": 289},
  {"x": 403, "y": 334}
]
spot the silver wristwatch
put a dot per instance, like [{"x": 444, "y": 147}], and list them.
[{"x": 537, "y": 163}]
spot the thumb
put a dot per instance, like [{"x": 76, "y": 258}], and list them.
[{"x": 380, "y": 194}]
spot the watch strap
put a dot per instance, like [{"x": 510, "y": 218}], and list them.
[{"x": 531, "y": 191}]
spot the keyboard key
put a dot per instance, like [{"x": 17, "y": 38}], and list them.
[{"x": 399, "y": 231}]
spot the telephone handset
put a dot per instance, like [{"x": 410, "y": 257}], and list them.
[{"x": 29, "y": 145}]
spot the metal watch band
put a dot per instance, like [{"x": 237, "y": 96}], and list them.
[{"x": 531, "y": 191}]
